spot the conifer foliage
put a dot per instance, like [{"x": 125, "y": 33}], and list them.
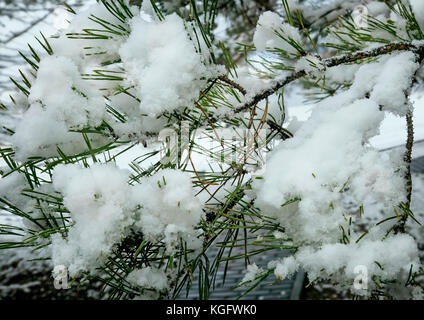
[{"x": 147, "y": 137}]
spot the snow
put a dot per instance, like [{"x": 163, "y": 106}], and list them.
[
  {"x": 301, "y": 167},
  {"x": 270, "y": 33},
  {"x": 392, "y": 132},
  {"x": 305, "y": 186},
  {"x": 389, "y": 259},
  {"x": 252, "y": 271},
  {"x": 99, "y": 209},
  {"x": 342, "y": 73},
  {"x": 104, "y": 207},
  {"x": 57, "y": 17},
  {"x": 309, "y": 64},
  {"x": 10, "y": 188},
  {"x": 376, "y": 8},
  {"x": 60, "y": 101},
  {"x": 164, "y": 64},
  {"x": 149, "y": 277},
  {"x": 284, "y": 268},
  {"x": 64, "y": 46},
  {"x": 393, "y": 81},
  {"x": 170, "y": 210}
]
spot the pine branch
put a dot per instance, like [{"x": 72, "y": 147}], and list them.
[
  {"x": 408, "y": 155},
  {"x": 400, "y": 226},
  {"x": 328, "y": 63},
  {"x": 406, "y": 207}
]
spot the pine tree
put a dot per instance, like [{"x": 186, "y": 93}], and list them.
[{"x": 144, "y": 137}]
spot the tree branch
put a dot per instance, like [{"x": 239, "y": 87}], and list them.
[
  {"x": 400, "y": 226},
  {"x": 408, "y": 156},
  {"x": 328, "y": 63}
]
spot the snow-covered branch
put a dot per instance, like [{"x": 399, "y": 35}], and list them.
[{"x": 280, "y": 82}]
